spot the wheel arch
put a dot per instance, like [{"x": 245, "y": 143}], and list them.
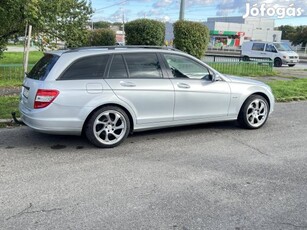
[
  {"x": 260, "y": 94},
  {"x": 131, "y": 120}
]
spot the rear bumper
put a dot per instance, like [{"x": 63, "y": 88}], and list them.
[{"x": 43, "y": 124}]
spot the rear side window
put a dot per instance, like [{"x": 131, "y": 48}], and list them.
[
  {"x": 118, "y": 68},
  {"x": 91, "y": 67},
  {"x": 258, "y": 46},
  {"x": 43, "y": 67},
  {"x": 143, "y": 65}
]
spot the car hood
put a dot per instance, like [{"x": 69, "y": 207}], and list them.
[{"x": 243, "y": 80}]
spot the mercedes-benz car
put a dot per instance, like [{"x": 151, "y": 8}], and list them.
[{"x": 108, "y": 92}]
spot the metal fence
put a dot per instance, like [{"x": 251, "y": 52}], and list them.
[
  {"x": 237, "y": 66},
  {"x": 12, "y": 71},
  {"x": 224, "y": 64}
]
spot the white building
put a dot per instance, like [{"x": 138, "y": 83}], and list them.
[{"x": 232, "y": 31}]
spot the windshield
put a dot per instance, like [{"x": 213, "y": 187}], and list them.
[
  {"x": 43, "y": 67},
  {"x": 282, "y": 47}
]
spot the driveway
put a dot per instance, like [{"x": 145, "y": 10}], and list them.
[{"x": 214, "y": 176}]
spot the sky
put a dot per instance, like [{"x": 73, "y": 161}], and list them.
[{"x": 199, "y": 10}]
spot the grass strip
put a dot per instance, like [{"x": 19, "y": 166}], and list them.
[
  {"x": 8, "y": 104},
  {"x": 17, "y": 57},
  {"x": 293, "y": 90}
]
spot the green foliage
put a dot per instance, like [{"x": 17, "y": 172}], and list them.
[
  {"x": 101, "y": 37},
  {"x": 299, "y": 36},
  {"x": 145, "y": 32},
  {"x": 287, "y": 31},
  {"x": 191, "y": 37},
  {"x": 58, "y": 19},
  {"x": 101, "y": 25}
]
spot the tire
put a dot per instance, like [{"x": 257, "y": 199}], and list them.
[
  {"x": 107, "y": 127},
  {"x": 277, "y": 62},
  {"x": 254, "y": 112},
  {"x": 245, "y": 58},
  {"x": 291, "y": 65}
]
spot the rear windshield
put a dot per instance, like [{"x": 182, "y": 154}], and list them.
[{"x": 43, "y": 67}]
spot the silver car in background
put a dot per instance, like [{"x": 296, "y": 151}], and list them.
[{"x": 108, "y": 92}]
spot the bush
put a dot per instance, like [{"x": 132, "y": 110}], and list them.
[
  {"x": 101, "y": 37},
  {"x": 145, "y": 32},
  {"x": 191, "y": 37}
]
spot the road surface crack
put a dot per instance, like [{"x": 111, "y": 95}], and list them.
[{"x": 25, "y": 211}]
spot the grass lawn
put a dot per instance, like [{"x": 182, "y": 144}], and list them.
[
  {"x": 292, "y": 90},
  {"x": 17, "y": 57},
  {"x": 8, "y": 104}
]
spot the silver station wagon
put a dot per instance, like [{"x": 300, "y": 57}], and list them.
[{"x": 108, "y": 92}]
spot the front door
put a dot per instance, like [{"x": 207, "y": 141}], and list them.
[{"x": 196, "y": 95}]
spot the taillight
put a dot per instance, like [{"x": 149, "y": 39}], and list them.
[{"x": 44, "y": 97}]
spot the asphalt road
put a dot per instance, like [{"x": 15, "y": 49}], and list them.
[{"x": 214, "y": 176}]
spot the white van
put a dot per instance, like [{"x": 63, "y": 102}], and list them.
[{"x": 278, "y": 52}]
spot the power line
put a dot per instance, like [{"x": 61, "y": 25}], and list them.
[{"x": 119, "y": 3}]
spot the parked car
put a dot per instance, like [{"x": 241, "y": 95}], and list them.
[
  {"x": 108, "y": 92},
  {"x": 280, "y": 53}
]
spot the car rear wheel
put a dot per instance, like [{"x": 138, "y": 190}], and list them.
[
  {"x": 291, "y": 65},
  {"x": 254, "y": 112},
  {"x": 107, "y": 127}
]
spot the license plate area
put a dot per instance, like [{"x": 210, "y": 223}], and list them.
[{"x": 25, "y": 91}]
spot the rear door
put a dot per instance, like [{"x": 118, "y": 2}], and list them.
[{"x": 138, "y": 80}]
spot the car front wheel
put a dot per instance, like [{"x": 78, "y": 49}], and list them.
[
  {"x": 254, "y": 112},
  {"x": 107, "y": 127}
]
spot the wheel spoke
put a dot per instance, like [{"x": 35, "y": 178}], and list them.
[
  {"x": 119, "y": 127},
  {"x": 99, "y": 132},
  {"x": 117, "y": 117}
]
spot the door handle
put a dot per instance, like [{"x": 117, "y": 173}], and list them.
[
  {"x": 183, "y": 85},
  {"x": 127, "y": 84}
]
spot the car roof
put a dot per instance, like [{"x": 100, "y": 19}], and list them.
[{"x": 113, "y": 49}]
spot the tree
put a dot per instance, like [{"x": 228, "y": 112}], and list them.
[
  {"x": 145, "y": 32},
  {"x": 299, "y": 37},
  {"x": 191, "y": 37},
  {"x": 102, "y": 25},
  {"x": 287, "y": 31},
  {"x": 102, "y": 37},
  {"x": 60, "y": 19}
]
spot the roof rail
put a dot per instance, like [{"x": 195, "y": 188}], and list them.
[{"x": 121, "y": 47}]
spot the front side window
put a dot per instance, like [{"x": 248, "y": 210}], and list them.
[
  {"x": 43, "y": 67},
  {"x": 270, "y": 48},
  {"x": 183, "y": 67},
  {"x": 282, "y": 47},
  {"x": 91, "y": 67},
  {"x": 258, "y": 46},
  {"x": 143, "y": 65}
]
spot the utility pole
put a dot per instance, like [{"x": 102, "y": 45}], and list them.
[
  {"x": 182, "y": 6},
  {"x": 27, "y": 49},
  {"x": 124, "y": 40}
]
